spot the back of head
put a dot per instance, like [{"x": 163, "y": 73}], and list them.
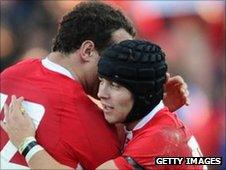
[
  {"x": 140, "y": 67},
  {"x": 93, "y": 21}
]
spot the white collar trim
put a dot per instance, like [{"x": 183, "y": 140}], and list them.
[
  {"x": 149, "y": 116},
  {"x": 56, "y": 68}
]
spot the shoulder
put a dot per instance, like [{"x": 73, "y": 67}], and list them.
[
  {"x": 165, "y": 119},
  {"x": 152, "y": 140},
  {"x": 23, "y": 63},
  {"x": 164, "y": 134},
  {"x": 24, "y": 66}
]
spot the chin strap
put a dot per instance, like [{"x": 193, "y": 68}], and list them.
[{"x": 133, "y": 163}]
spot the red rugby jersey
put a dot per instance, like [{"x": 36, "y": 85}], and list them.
[
  {"x": 69, "y": 125},
  {"x": 159, "y": 134}
]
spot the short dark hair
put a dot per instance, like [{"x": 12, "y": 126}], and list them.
[{"x": 93, "y": 21}]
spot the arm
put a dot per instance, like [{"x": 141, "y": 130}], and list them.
[
  {"x": 175, "y": 93},
  {"x": 108, "y": 165},
  {"x": 122, "y": 162},
  {"x": 19, "y": 126},
  {"x": 42, "y": 160}
]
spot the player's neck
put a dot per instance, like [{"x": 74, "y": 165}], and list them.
[
  {"x": 130, "y": 126},
  {"x": 63, "y": 61}
]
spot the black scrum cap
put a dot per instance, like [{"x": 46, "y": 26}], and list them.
[{"x": 140, "y": 67}]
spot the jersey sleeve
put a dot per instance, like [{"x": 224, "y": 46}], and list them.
[
  {"x": 64, "y": 155},
  {"x": 121, "y": 163}
]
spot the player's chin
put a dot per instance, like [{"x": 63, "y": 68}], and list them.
[{"x": 110, "y": 119}]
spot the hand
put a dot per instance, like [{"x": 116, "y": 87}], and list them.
[
  {"x": 18, "y": 125},
  {"x": 175, "y": 93}
]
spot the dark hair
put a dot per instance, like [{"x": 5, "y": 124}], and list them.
[
  {"x": 139, "y": 66},
  {"x": 93, "y": 21}
]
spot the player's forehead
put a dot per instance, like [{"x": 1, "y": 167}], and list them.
[{"x": 120, "y": 35}]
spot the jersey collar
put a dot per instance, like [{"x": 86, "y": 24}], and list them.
[
  {"x": 56, "y": 68},
  {"x": 147, "y": 118},
  {"x": 143, "y": 121}
]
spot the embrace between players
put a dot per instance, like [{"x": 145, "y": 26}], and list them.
[{"x": 94, "y": 49}]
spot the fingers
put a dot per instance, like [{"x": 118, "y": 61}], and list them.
[
  {"x": 188, "y": 102},
  {"x": 6, "y": 112},
  {"x": 17, "y": 111},
  {"x": 19, "y": 101},
  {"x": 167, "y": 76},
  {"x": 183, "y": 85},
  {"x": 185, "y": 94},
  {"x": 14, "y": 110},
  {"x": 11, "y": 105},
  {"x": 16, "y": 102},
  {"x": 3, "y": 125},
  {"x": 176, "y": 80},
  {"x": 183, "y": 89}
]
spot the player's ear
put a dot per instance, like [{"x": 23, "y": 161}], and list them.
[{"x": 86, "y": 50}]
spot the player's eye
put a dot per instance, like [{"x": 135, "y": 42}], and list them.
[
  {"x": 101, "y": 80},
  {"x": 115, "y": 85}
]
